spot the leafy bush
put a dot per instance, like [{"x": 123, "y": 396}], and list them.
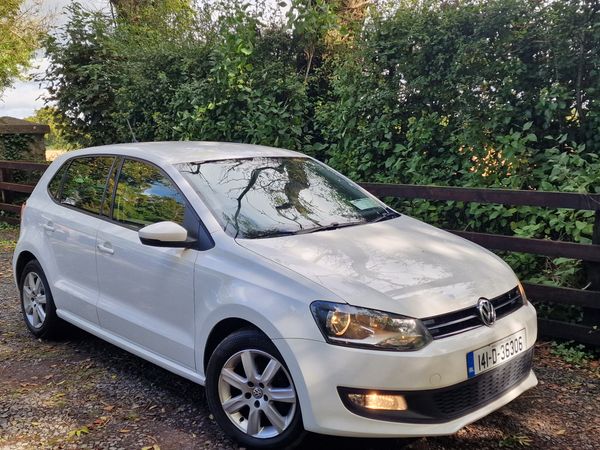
[{"x": 576, "y": 354}]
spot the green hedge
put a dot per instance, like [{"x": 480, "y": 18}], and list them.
[{"x": 501, "y": 93}]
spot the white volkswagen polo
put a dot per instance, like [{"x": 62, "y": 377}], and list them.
[{"x": 298, "y": 299}]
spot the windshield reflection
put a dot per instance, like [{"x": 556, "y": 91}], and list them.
[{"x": 266, "y": 197}]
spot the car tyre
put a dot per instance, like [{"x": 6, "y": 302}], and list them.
[
  {"x": 37, "y": 303},
  {"x": 251, "y": 393}
]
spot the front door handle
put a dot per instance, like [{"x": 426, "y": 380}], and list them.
[{"x": 105, "y": 248}]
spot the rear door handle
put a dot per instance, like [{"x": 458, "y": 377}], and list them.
[
  {"x": 48, "y": 226},
  {"x": 106, "y": 248}
]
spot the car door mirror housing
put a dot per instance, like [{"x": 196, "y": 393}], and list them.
[{"x": 165, "y": 234}]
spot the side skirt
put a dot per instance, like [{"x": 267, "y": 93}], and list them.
[{"x": 131, "y": 347}]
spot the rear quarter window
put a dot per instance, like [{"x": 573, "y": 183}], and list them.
[{"x": 56, "y": 181}]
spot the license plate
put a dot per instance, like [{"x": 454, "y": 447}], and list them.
[{"x": 495, "y": 354}]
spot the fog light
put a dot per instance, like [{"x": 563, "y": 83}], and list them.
[{"x": 373, "y": 400}]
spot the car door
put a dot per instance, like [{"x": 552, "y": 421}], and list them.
[
  {"x": 147, "y": 293},
  {"x": 69, "y": 226}
]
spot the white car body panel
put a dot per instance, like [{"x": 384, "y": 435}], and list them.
[
  {"x": 400, "y": 265},
  {"x": 146, "y": 294},
  {"x": 162, "y": 303},
  {"x": 237, "y": 284}
]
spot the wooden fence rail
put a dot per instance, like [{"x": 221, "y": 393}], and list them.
[
  {"x": 570, "y": 200},
  {"x": 589, "y": 300},
  {"x": 7, "y": 186}
]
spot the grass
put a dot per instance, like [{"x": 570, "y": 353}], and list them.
[
  {"x": 8, "y": 237},
  {"x": 4, "y": 226},
  {"x": 7, "y": 245},
  {"x": 515, "y": 441}
]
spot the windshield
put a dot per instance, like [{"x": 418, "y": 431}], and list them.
[{"x": 266, "y": 197}]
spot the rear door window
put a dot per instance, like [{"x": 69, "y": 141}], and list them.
[{"x": 85, "y": 182}]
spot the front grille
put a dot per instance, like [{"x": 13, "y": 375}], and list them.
[
  {"x": 482, "y": 389},
  {"x": 444, "y": 404},
  {"x": 466, "y": 319}
]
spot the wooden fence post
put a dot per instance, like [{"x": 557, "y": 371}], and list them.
[
  {"x": 7, "y": 196},
  {"x": 2, "y": 195},
  {"x": 591, "y": 316}
]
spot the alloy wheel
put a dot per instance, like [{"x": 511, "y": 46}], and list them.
[
  {"x": 34, "y": 300},
  {"x": 257, "y": 394}
]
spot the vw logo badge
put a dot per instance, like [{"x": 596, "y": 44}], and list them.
[
  {"x": 486, "y": 311},
  {"x": 257, "y": 392}
]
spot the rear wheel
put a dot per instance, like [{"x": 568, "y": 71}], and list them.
[
  {"x": 251, "y": 393},
  {"x": 37, "y": 304}
]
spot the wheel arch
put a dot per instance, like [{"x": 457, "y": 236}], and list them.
[
  {"x": 221, "y": 330},
  {"x": 24, "y": 257}
]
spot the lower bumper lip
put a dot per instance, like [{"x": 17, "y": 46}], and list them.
[{"x": 447, "y": 403}]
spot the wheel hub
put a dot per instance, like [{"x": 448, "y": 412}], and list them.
[{"x": 257, "y": 392}]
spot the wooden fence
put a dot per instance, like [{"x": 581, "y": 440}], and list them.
[
  {"x": 8, "y": 186},
  {"x": 589, "y": 300}
]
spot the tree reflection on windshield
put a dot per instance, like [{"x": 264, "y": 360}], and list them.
[{"x": 262, "y": 197}]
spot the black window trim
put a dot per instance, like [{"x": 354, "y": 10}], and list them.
[
  {"x": 205, "y": 240},
  {"x": 116, "y": 167},
  {"x": 66, "y": 166}
]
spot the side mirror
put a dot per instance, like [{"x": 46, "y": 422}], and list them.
[{"x": 165, "y": 234}]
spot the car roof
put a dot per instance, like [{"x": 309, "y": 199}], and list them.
[{"x": 172, "y": 152}]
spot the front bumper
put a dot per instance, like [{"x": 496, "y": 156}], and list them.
[{"x": 319, "y": 369}]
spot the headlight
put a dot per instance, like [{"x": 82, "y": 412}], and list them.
[
  {"x": 522, "y": 292},
  {"x": 343, "y": 324}
]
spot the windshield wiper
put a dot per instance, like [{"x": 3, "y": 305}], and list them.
[
  {"x": 387, "y": 215},
  {"x": 276, "y": 234},
  {"x": 332, "y": 226}
]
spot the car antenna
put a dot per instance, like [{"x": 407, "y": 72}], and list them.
[{"x": 133, "y": 138}]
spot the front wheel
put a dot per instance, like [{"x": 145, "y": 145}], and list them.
[{"x": 251, "y": 393}]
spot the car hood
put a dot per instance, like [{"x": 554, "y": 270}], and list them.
[{"x": 400, "y": 265}]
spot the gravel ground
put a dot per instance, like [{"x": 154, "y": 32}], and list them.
[{"x": 80, "y": 392}]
